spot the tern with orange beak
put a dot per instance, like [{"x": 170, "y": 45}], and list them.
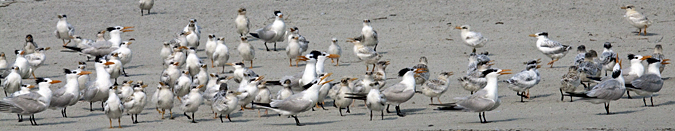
[
  {"x": 525, "y": 79},
  {"x": 402, "y": 92},
  {"x": 473, "y": 39},
  {"x": 31, "y": 103},
  {"x": 273, "y": 32},
  {"x": 69, "y": 94},
  {"x": 98, "y": 90},
  {"x": 550, "y": 48}
]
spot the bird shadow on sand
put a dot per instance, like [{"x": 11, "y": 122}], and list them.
[
  {"x": 495, "y": 121},
  {"x": 136, "y": 75},
  {"x": 544, "y": 95},
  {"x": 618, "y": 113},
  {"x": 667, "y": 103},
  {"x": 305, "y": 123},
  {"x": 57, "y": 123},
  {"x": 341, "y": 64},
  {"x": 89, "y": 115},
  {"x": 648, "y": 34},
  {"x": 114, "y": 127},
  {"x": 134, "y": 66}
]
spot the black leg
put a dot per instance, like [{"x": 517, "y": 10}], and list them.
[
  {"x": 480, "y": 117},
  {"x": 562, "y": 96},
  {"x": 388, "y": 109},
  {"x": 135, "y": 118},
  {"x": 33, "y": 118},
  {"x": 375, "y": 48},
  {"x": 334, "y": 104},
  {"x": 125, "y": 73},
  {"x": 221, "y": 118},
  {"x": 297, "y": 122},
  {"x": 371, "y": 115},
  {"x": 340, "y": 110},
  {"x": 628, "y": 93},
  {"x": 5, "y": 93},
  {"x": 20, "y": 117},
  {"x": 651, "y": 98},
  {"x": 484, "y": 120},
  {"x": 102, "y": 106},
  {"x": 644, "y": 100},
  {"x": 185, "y": 113},
  {"x": 322, "y": 107},
  {"x": 382, "y": 114},
  {"x": 348, "y": 110},
  {"x": 471, "y": 92},
  {"x": 398, "y": 111},
  {"x": 268, "y": 49},
  {"x": 275, "y": 46},
  {"x": 229, "y": 118},
  {"x": 90, "y": 106},
  {"x": 193, "y": 116},
  {"x": 571, "y": 100},
  {"x": 607, "y": 107}
]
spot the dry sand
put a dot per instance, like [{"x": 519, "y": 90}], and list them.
[{"x": 407, "y": 30}]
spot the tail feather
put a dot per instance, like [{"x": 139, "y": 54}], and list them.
[
  {"x": 267, "y": 105},
  {"x": 573, "y": 94},
  {"x": 6, "y": 107},
  {"x": 273, "y": 83},
  {"x": 447, "y": 106},
  {"x": 254, "y": 35},
  {"x": 357, "y": 97},
  {"x": 595, "y": 78},
  {"x": 73, "y": 48}
]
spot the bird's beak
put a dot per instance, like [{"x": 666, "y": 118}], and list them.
[
  {"x": 31, "y": 86},
  {"x": 161, "y": 83},
  {"x": 533, "y": 35},
  {"x": 457, "y": 27},
  {"x": 84, "y": 73},
  {"x": 387, "y": 63},
  {"x": 48, "y": 48},
  {"x": 326, "y": 76},
  {"x": 125, "y": 29},
  {"x": 188, "y": 33},
  {"x": 333, "y": 56},
  {"x": 664, "y": 61},
  {"x": 229, "y": 77},
  {"x": 302, "y": 58},
  {"x": 129, "y": 43},
  {"x": 353, "y": 79},
  {"x": 55, "y": 81},
  {"x": 292, "y": 29},
  {"x": 129, "y": 82},
  {"x": 103, "y": 32},
  {"x": 504, "y": 71},
  {"x": 281, "y": 16},
  {"x": 538, "y": 66},
  {"x": 71, "y": 37},
  {"x": 183, "y": 47},
  {"x": 623, "y": 7},
  {"x": 326, "y": 82},
  {"x": 176, "y": 63},
  {"x": 22, "y": 52},
  {"x": 108, "y": 63},
  {"x": 419, "y": 70},
  {"x": 539, "y": 60},
  {"x": 230, "y": 64},
  {"x": 200, "y": 86},
  {"x": 237, "y": 93},
  {"x": 645, "y": 57},
  {"x": 143, "y": 86},
  {"x": 260, "y": 78}
]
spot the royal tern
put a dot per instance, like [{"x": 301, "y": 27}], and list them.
[
  {"x": 273, "y": 32},
  {"x": 113, "y": 107},
  {"x": 636, "y": 70},
  {"x": 64, "y": 30},
  {"x": 304, "y": 43},
  {"x": 636, "y": 19},
  {"x": 524, "y": 80},
  {"x": 297, "y": 103},
  {"x": 368, "y": 35},
  {"x": 246, "y": 51},
  {"x": 334, "y": 48},
  {"x": 183, "y": 84},
  {"x": 36, "y": 59},
  {"x": 31, "y": 103},
  {"x": 486, "y": 99},
  {"x": 605, "y": 92},
  {"x": 12, "y": 82},
  {"x": 224, "y": 102},
  {"x": 608, "y": 57},
  {"x": 569, "y": 82},
  {"x": 581, "y": 52},
  {"x": 436, "y": 87},
  {"x": 30, "y": 45},
  {"x": 366, "y": 54},
  {"x": 303, "y": 78},
  {"x": 550, "y": 48},
  {"x": 163, "y": 98},
  {"x": 23, "y": 64},
  {"x": 192, "y": 102},
  {"x": 146, "y": 5},
  {"x": 192, "y": 37},
  {"x": 658, "y": 54},
  {"x": 473, "y": 39},
  {"x": 69, "y": 94},
  {"x": 115, "y": 34},
  {"x": 221, "y": 54},
  {"x": 198, "y": 29},
  {"x": 98, "y": 90},
  {"x": 264, "y": 95},
  {"x": 202, "y": 78},
  {"x": 342, "y": 92},
  {"x": 402, "y": 92},
  {"x": 650, "y": 82},
  {"x": 115, "y": 70},
  {"x": 242, "y": 22},
  {"x": 375, "y": 101},
  {"x": 422, "y": 77},
  {"x": 192, "y": 62},
  {"x": 293, "y": 50},
  {"x": 125, "y": 54},
  {"x": 136, "y": 102},
  {"x": 249, "y": 91},
  {"x": 320, "y": 59}
]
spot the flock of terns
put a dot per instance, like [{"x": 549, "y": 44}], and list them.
[{"x": 186, "y": 80}]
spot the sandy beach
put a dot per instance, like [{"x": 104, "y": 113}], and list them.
[{"x": 407, "y": 30}]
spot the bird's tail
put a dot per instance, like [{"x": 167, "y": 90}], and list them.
[
  {"x": 359, "y": 96},
  {"x": 255, "y": 35},
  {"x": 574, "y": 94},
  {"x": 273, "y": 83},
  {"x": 73, "y": 48},
  {"x": 447, "y": 106},
  {"x": 6, "y": 107}
]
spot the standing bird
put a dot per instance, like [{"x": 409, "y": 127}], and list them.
[
  {"x": 304, "y": 43},
  {"x": 83, "y": 80},
  {"x": 136, "y": 102},
  {"x": 550, "y": 48},
  {"x": 98, "y": 90},
  {"x": 197, "y": 29},
  {"x": 36, "y": 59},
  {"x": 125, "y": 54},
  {"x": 242, "y": 22},
  {"x": 67, "y": 95},
  {"x": 115, "y": 70},
  {"x": 64, "y": 30},
  {"x": 293, "y": 50},
  {"x": 113, "y": 107},
  {"x": 286, "y": 91},
  {"x": 12, "y": 82},
  {"x": 569, "y": 82},
  {"x": 146, "y": 5},
  {"x": 163, "y": 98},
  {"x": 658, "y": 54},
  {"x": 636, "y": 19},
  {"x": 589, "y": 68},
  {"x": 422, "y": 77},
  {"x": 170, "y": 74},
  {"x": 193, "y": 36},
  {"x": 3, "y": 64},
  {"x": 192, "y": 62},
  {"x": 224, "y": 102},
  {"x": 436, "y": 87},
  {"x": 30, "y": 45},
  {"x": 342, "y": 92},
  {"x": 273, "y": 32},
  {"x": 368, "y": 35},
  {"x": 364, "y": 53},
  {"x": 375, "y": 101},
  {"x": 473, "y": 39},
  {"x": 650, "y": 82},
  {"x": 402, "y": 92},
  {"x": 23, "y": 64},
  {"x": 635, "y": 71},
  {"x": 334, "y": 48},
  {"x": 581, "y": 52},
  {"x": 246, "y": 51},
  {"x": 264, "y": 95},
  {"x": 297, "y": 103},
  {"x": 192, "y": 102},
  {"x": 183, "y": 84},
  {"x": 525, "y": 79},
  {"x": 608, "y": 57},
  {"x": 30, "y": 103},
  {"x": 210, "y": 46},
  {"x": 221, "y": 54},
  {"x": 486, "y": 99},
  {"x": 202, "y": 78},
  {"x": 605, "y": 92}
]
